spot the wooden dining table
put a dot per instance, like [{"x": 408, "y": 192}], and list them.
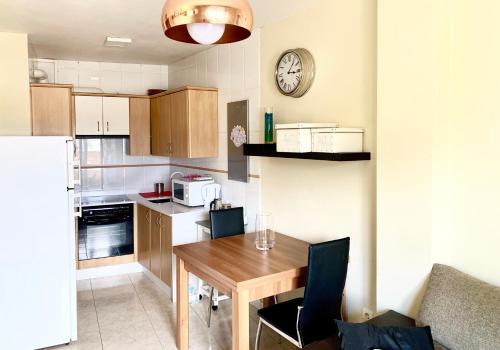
[{"x": 235, "y": 267}]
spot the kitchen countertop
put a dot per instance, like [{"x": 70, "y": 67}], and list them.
[{"x": 166, "y": 208}]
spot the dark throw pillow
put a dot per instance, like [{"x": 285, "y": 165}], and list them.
[{"x": 361, "y": 336}]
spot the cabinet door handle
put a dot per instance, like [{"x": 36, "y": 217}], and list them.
[
  {"x": 107, "y": 126},
  {"x": 148, "y": 216},
  {"x": 98, "y": 126}
]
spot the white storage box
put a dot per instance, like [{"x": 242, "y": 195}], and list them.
[
  {"x": 337, "y": 140},
  {"x": 296, "y": 138}
]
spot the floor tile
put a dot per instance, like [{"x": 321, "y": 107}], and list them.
[{"x": 130, "y": 312}]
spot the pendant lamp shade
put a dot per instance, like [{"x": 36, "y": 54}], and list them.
[{"x": 207, "y": 21}]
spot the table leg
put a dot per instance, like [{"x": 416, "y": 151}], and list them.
[
  {"x": 182, "y": 306},
  {"x": 241, "y": 340}
]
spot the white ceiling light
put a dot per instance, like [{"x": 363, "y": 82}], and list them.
[{"x": 117, "y": 42}]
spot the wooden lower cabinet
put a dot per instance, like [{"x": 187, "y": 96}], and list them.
[
  {"x": 155, "y": 243},
  {"x": 155, "y": 252},
  {"x": 166, "y": 249},
  {"x": 143, "y": 235}
]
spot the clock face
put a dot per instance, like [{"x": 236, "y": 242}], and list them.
[
  {"x": 289, "y": 72},
  {"x": 295, "y": 71}
]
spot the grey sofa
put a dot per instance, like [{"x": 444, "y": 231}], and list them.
[{"x": 462, "y": 311}]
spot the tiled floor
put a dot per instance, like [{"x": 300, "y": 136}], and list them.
[{"x": 130, "y": 312}]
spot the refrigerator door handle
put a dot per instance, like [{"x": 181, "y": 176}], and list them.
[
  {"x": 78, "y": 213},
  {"x": 78, "y": 165}
]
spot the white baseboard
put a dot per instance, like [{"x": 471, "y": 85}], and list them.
[{"x": 106, "y": 271}]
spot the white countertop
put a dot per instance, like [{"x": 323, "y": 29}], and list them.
[{"x": 166, "y": 208}]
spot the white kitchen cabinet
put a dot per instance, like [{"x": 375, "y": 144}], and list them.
[
  {"x": 115, "y": 114},
  {"x": 88, "y": 112}
]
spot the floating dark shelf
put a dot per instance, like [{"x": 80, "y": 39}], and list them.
[{"x": 269, "y": 150}]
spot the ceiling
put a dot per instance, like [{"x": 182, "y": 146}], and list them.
[{"x": 75, "y": 30}]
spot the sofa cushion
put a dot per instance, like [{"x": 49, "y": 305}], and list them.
[{"x": 463, "y": 312}]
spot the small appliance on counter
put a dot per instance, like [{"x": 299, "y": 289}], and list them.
[
  {"x": 296, "y": 138},
  {"x": 159, "y": 187},
  {"x": 211, "y": 193},
  {"x": 188, "y": 190}
]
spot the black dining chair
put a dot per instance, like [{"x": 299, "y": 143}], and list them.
[
  {"x": 223, "y": 223},
  {"x": 305, "y": 320}
]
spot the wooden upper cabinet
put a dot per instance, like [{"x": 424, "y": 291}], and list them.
[
  {"x": 140, "y": 131},
  {"x": 180, "y": 124},
  {"x": 161, "y": 126},
  {"x": 185, "y": 122},
  {"x": 203, "y": 124},
  {"x": 51, "y": 110}
]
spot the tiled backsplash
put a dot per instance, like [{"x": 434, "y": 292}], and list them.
[
  {"x": 105, "y": 152},
  {"x": 106, "y": 76}
]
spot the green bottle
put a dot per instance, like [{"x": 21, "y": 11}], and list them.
[{"x": 268, "y": 125}]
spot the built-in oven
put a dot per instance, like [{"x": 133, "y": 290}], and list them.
[{"x": 106, "y": 231}]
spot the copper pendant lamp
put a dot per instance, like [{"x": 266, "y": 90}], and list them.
[{"x": 207, "y": 21}]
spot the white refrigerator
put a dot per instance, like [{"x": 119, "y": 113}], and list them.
[{"x": 37, "y": 242}]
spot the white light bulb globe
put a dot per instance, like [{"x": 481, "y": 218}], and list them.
[{"x": 206, "y": 33}]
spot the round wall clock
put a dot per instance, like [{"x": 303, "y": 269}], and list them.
[{"x": 294, "y": 72}]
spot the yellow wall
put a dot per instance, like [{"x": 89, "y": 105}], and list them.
[
  {"x": 437, "y": 144},
  {"x": 15, "y": 116},
  {"x": 474, "y": 148},
  {"x": 316, "y": 200}
]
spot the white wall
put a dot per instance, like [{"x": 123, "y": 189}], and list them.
[
  {"x": 438, "y": 127},
  {"x": 234, "y": 70},
  {"x": 15, "y": 117},
  {"x": 106, "y": 76}
]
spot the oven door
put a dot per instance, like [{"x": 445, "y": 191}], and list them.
[
  {"x": 178, "y": 192},
  {"x": 106, "y": 231}
]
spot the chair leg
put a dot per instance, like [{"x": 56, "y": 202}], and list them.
[
  {"x": 257, "y": 336},
  {"x": 210, "y": 301}
]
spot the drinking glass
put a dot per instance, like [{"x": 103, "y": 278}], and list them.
[{"x": 265, "y": 238}]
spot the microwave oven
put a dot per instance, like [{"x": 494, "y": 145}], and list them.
[{"x": 188, "y": 191}]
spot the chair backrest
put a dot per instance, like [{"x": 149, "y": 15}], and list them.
[
  {"x": 326, "y": 275},
  {"x": 226, "y": 222}
]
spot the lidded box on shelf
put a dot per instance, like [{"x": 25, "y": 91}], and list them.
[
  {"x": 337, "y": 140},
  {"x": 297, "y": 137}
]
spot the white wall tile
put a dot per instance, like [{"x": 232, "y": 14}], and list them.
[
  {"x": 237, "y": 68},
  {"x": 111, "y": 81},
  {"x": 87, "y": 65},
  {"x": 224, "y": 67},
  {"x": 66, "y": 64},
  {"x": 132, "y": 82},
  {"x": 129, "y": 67},
  {"x": 201, "y": 69},
  {"x": 67, "y": 76},
  {"x": 151, "y": 68},
  {"x": 134, "y": 178},
  {"x": 252, "y": 61},
  {"x": 212, "y": 67},
  {"x": 116, "y": 67},
  {"x": 89, "y": 78},
  {"x": 151, "y": 81}
]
